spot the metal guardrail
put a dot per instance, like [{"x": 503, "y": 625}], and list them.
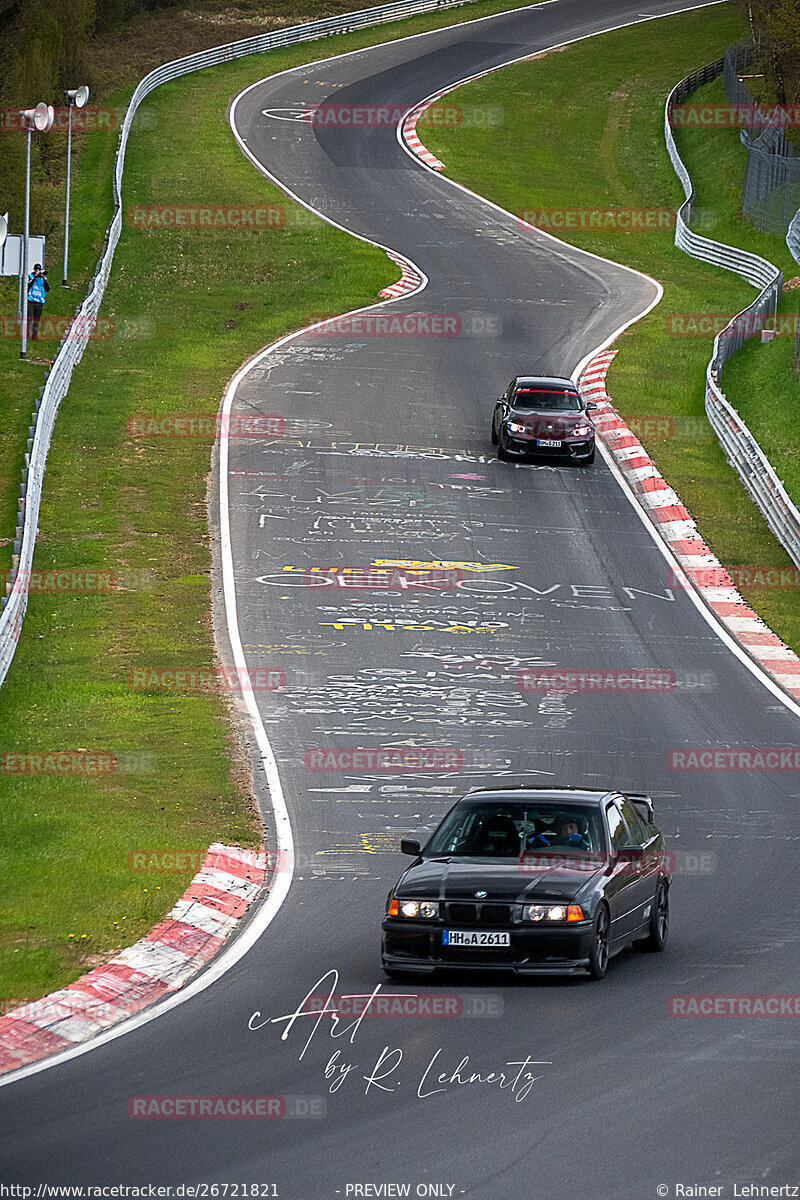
[
  {"x": 793, "y": 237},
  {"x": 741, "y": 448},
  {"x": 793, "y": 242},
  {"x": 74, "y": 342}
]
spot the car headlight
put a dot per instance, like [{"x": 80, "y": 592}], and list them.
[
  {"x": 516, "y": 427},
  {"x": 553, "y": 912},
  {"x": 414, "y": 909},
  {"x": 582, "y": 430}
]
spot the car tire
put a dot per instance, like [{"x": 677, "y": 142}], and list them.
[
  {"x": 502, "y": 453},
  {"x": 587, "y": 462},
  {"x": 599, "y": 951},
  {"x": 494, "y": 433},
  {"x": 658, "y": 930}
]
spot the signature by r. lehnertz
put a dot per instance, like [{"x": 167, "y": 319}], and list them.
[{"x": 516, "y": 1077}]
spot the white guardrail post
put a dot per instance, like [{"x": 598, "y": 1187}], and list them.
[
  {"x": 741, "y": 448},
  {"x": 73, "y": 344}
]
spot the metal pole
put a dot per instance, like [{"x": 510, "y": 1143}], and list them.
[
  {"x": 66, "y": 213},
  {"x": 24, "y": 326}
]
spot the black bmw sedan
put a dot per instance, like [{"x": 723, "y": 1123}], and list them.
[
  {"x": 533, "y": 880},
  {"x": 543, "y": 415}
]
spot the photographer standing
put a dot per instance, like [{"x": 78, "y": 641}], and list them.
[{"x": 37, "y": 289}]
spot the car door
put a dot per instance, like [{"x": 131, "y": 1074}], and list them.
[
  {"x": 624, "y": 888},
  {"x": 647, "y": 868}
]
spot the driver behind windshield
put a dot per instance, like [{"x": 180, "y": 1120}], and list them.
[
  {"x": 567, "y": 834},
  {"x": 541, "y": 400}
]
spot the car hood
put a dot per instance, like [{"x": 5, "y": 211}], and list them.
[{"x": 503, "y": 880}]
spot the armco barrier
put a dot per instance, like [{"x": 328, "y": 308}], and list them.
[
  {"x": 74, "y": 342},
  {"x": 741, "y": 448},
  {"x": 793, "y": 242}
]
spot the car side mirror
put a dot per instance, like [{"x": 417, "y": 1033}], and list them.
[
  {"x": 409, "y": 846},
  {"x": 590, "y": 404}
]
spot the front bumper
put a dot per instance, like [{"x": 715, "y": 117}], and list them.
[
  {"x": 417, "y": 946},
  {"x": 576, "y": 448}
]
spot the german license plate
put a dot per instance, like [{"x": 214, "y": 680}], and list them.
[
  {"x": 548, "y": 442},
  {"x": 475, "y": 939}
]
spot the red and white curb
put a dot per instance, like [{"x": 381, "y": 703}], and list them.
[
  {"x": 677, "y": 528},
  {"x": 411, "y": 137},
  {"x": 161, "y": 962},
  {"x": 410, "y": 279}
]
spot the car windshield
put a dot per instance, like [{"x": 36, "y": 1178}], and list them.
[
  {"x": 546, "y": 400},
  {"x": 492, "y": 830}
]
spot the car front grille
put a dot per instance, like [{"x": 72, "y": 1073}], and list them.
[
  {"x": 463, "y": 914},
  {"x": 479, "y": 914},
  {"x": 495, "y": 914}
]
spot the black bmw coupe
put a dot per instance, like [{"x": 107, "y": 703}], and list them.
[
  {"x": 533, "y": 880},
  {"x": 543, "y": 415}
]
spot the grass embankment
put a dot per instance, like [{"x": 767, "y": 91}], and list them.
[
  {"x": 188, "y": 307},
  {"x": 585, "y": 131}
]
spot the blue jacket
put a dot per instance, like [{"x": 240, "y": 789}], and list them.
[{"x": 37, "y": 286}]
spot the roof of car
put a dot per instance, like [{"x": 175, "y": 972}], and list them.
[
  {"x": 521, "y": 793},
  {"x": 545, "y": 380}
]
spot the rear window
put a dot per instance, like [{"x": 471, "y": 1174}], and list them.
[{"x": 546, "y": 399}]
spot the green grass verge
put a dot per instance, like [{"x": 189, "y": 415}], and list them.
[
  {"x": 188, "y": 307},
  {"x": 585, "y": 131}
]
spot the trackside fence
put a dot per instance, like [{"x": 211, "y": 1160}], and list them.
[{"x": 741, "y": 448}]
